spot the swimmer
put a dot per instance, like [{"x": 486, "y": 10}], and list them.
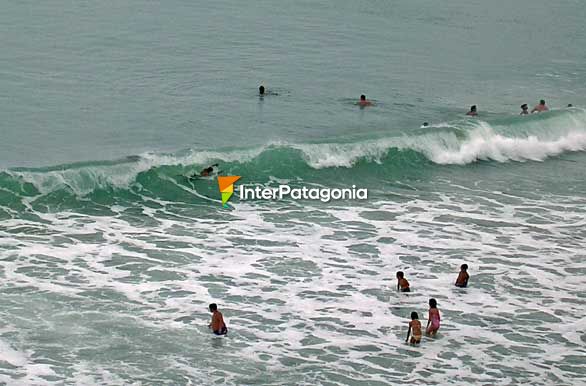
[
  {"x": 363, "y": 101},
  {"x": 262, "y": 92},
  {"x": 415, "y": 327},
  {"x": 425, "y": 124},
  {"x": 472, "y": 111},
  {"x": 570, "y": 105},
  {"x": 540, "y": 107},
  {"x": 462, "y": 280},
  {"x": 524, "y": 109},
  {"x": 402, "y": 283},
  {"x": 217, "y": 325},
  {"x": 207, "y": 171},
  {"x": 433, "y": 318}
]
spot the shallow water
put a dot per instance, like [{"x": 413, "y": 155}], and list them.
[{"x": 109, "y": 255}]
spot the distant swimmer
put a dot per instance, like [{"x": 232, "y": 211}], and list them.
[
  {"x": 414, "y": 329},
  {"x": 363, "y": 101},
  {"x": 540, "y": 107},
  {"x": 570, "y": 105},
  {"x": 472, "y": 111},
  {"x": 262, "y": 91},
  {"x": 402, "y": 283},
  {"x": 217, "y": 325},
  {"x": 524, "y": 109},
  {"x": 462, "y": 280},
  {"x": 425, "y": 124},
  {"x": 433, "y": 318}
]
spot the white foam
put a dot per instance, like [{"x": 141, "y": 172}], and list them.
[
  {"x": 286, "y": 273},
  {"x": 279, "y": 288},
  {"x": 485, "y": 144},
  {"x": 10, "y": 355}
]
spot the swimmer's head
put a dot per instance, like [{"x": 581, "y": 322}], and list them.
[
  {"x": 425, "y": 124},
  {"x": 400, "y": 275},
  {"x": 432, "y": 303},
  {"x": 524, "y": 106},
  {"x": 464, "y": 267},
  {"x": 542, "y": 102},
  {"x": 570, "y": 105},
  {"x": 473, "y": 108},
  {"x": 414, "y": 316},
  {"x": 362, "y": 97},
  {"x": 261, "y": 90},
  {"x": 213, "y": 307}
]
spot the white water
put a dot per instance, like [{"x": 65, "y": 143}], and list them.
[{"x": 314, "y": 304}]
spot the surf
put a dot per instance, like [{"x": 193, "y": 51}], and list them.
[{"x": 463, "y": 142}]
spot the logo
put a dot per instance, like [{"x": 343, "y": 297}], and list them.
[
  {"x": 226, "y": 185},
  {"x": 302, "y": 193}
]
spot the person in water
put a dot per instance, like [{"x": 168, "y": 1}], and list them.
[
  {"x": 433, "y": 318},
  {"x": 217, "y": 325},
  {"x": 472, "y": 111},
  {"x": 262, "y": 91},
  {"x": 208, "y": 171},
  {"x": 541, "y": 107},
  {"x": 570, "y": 105},
  {"x": 524, "y": 109},
  {"x": 415, "y": 327},
  {"x": 363, "y": 101},
  {"x": 425, "y": 124},
  {"x": 462, "y": 280},
  {"x": 402, "y": 283}
]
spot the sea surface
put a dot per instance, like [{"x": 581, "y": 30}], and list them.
[{"x": 110, "y": 254}]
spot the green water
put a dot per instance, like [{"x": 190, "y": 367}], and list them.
[{"x": 110, "y": 253}]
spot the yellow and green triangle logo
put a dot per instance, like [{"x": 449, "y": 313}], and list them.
[{"x": 226, "y": 184}]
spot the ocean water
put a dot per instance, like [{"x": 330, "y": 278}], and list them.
[{"x": 109, "y": 254}]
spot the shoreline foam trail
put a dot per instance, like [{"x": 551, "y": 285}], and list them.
[
  {"x": 325, "y": 289},
  {"x": 110, "y": 254}
]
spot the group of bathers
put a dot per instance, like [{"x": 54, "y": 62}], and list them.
[{"x": 433, "y": 319}]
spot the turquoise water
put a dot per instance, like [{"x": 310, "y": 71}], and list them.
[{"x": 109, "y": 254}]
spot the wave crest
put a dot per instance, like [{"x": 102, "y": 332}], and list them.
[{"x": 520, "y": 139}]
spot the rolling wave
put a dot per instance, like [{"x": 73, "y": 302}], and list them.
[{"x": 460, "y": 143}]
